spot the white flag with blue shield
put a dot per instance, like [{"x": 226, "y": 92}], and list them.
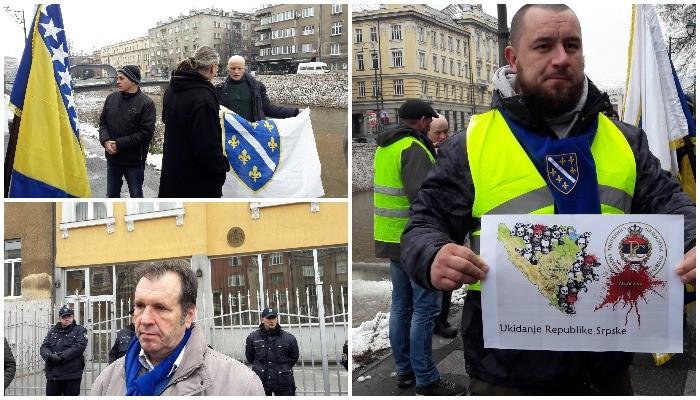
[{"x": 273, "y": 158}]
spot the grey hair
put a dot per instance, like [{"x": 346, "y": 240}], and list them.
[
  {"x": 188, "y": 280},
  {"x": 202, "y": 59}
]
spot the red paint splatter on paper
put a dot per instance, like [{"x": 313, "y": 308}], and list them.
[{"x": 628, "y": 287}]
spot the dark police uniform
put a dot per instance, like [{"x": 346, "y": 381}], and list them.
[{"x": 63, "y": 350}]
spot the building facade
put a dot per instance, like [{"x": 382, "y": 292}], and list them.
[
  {"x": 414, "y": 51},
  {"x": 228, "y": 32},
  {"x": 129, "y": 52},
  {"x": 29, "y": 252},
  {"x": 289, "y": 34}
]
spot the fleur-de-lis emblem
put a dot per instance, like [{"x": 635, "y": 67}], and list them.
[
  {"x": 254, "y": 173},
  {"x": 272, "y": 144},
  {"x": 268, "y": 125},
  {"x": 244, "y": 156},
  {"x": 234, "y": 141},
  {"x": 254, "y": 125}
]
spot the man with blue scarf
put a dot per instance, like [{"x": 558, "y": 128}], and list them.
[
  {"x": 170, "y": 356},
  {"x": 545, "y": 146}
]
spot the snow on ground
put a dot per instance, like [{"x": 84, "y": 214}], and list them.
[
  {"x": 371, "y": 336},
  {"x": 9, "y": 115},
  {"x": 156, "y": 160},
  {"x": 89, "y": 130}
]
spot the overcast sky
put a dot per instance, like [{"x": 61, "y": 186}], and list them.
[
  {"x": 605, "y": 26},
  {"x": 94, "y": 24}
]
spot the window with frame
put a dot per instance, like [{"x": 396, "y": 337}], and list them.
[
  {"x": 444, "y": 65},
  {"x": 450, "y": 44},
  {"x": 335, "y": 49},
  {"x": 396, "y": 32},
  {"x": 150, "y": 207},
  {"x": 235, "y": 261},
  {"x": 452, "y": 67},
  {"x": 372, "y": 33},
  {"x": 13, "y": 268},
  {"x": 422, "y": 63},
  {"x": 454, "y": 91},
  {"x": 398, "y": 87},
  {"x": 459, "y": 69},
  {"x": 375, "y": 60},
  {"x": 421, "y": 34},
  {"x": 85, "y": 211},
  {"x": 336, "y": 8},
  {"x": 433, "y": 38},
  {"x": 276, "y": 259},
  {"x": 442, "y": 41},
  {"x": 236, "y": 280},
  {"x": 307, "y": 12},
  {"x": 446, "y": 92},
  {"x": 375, "y": 88},
  {"x": 360, "y": 61},
  {"x": 424, "y": 87},
  {"x": 458, "y": 47},
  {"x": 435, "y": 64},
  {"x": 437, "y": 89},
  {"x": 308, "y": 30},
  {"x": 336, "y": 28},
  {"x": 396, "y": 58},
  {"x": 361, "y": 89},
  {"x": 358, "y": 35},
  {"x": 307, "y": 48},
  {"x": 277, "y": 278}
]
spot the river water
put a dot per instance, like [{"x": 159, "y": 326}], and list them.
[{"x": 329, "y": 126}]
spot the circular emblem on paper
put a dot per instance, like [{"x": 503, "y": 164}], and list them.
[
  {"x": 235, "y": 237},
  {"x": 636, "y": 245}
]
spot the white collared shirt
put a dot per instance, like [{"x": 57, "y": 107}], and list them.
[{"x": 148, "y": 365}]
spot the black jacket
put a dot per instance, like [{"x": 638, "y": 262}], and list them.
[
  {"x": 415, "y": 165},
  {"x": 68, "y": 343},
  {"x": 262, "y": 107},
  {"x": 273, "y": 354},
  {"x": 121, "y": 343},
  {"x": 194, "y": 164},
  {"x": 10, "y": 365},
  {"x": 442, "y": 214},
  {"x": 130, "y": 120}
]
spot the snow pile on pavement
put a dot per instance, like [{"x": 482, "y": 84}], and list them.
[
  {"x": 458, "y": 296},
  {"x": 327, "y": 90},
  {"x": 370, "y": 337},
  {"x": 156, "y": 160},
  {"x": 89, "y": 130}
]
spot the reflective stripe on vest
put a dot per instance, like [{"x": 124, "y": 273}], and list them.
[
  {"x": 507, "y": 182},
  {"x": 390, "y": 202}
]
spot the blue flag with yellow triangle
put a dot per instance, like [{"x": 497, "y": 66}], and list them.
[{"x": 49, "y": 159}]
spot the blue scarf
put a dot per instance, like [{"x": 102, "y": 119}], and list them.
[
  {"x": 567, "y": 165},
  {"x": 153, "y": 382}
]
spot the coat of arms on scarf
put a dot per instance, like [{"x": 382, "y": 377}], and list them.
[
  {"x": 253, "y": 149},
  {"x": 562, "y": 171}
]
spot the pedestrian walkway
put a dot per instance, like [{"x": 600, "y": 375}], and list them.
[{"x": 674, "y": 378}]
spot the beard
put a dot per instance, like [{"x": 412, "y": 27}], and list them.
[{"x": 551, "y": 102}]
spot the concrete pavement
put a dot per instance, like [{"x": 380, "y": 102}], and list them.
[{"x": 674, "y": 378}]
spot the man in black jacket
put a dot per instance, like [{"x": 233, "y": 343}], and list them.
[
  {"x": 121, "y": 343},
  {"x": 544, "y": 90},
  {"x": 127, "y": 123},
  {"x": 194, "y": 164},
  {"x": 273, "y": 353},
  {"x": 246, "y": 96},
  {"x": 63, "y": 350},
  {"x": 10, "y": 365}
]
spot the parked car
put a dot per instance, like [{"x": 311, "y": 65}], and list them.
[{"x": 313, "y": 68}]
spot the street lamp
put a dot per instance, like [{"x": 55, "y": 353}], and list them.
[
  {"x": 689, "y": 28},
  {"x": 377, "y": 88}
]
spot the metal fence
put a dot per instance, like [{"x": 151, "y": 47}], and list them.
[{"x": 320, "y": 336}]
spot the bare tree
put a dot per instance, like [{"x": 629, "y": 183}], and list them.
[{"x": 674, "y": 18}]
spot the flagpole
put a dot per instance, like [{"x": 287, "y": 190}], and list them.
[{"x": 10, "y": 153}]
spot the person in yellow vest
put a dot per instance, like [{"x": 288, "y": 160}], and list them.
[
  {"x": 543, "y": 104},
  {"x": 403, "y": 158}
]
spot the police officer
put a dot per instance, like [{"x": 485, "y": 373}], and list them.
[
  {"x": 121, "y": 344},
  {"x": 273, "y": 352},
  {"x": 63, "y": 350}
]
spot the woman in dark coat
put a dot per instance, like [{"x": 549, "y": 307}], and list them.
[{"x": 194, "y": 164}]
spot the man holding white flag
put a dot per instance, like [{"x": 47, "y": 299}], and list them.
[
  {"x": 272, "y": 158},
  {"x": 652, "y": 100}
]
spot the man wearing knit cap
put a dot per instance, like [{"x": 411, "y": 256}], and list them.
[
  {"x": 127, "y": 124},
  {"x": 403, "y": 158}
]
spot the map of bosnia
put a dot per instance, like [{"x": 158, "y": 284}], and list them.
[{"x": 554, "y": 259}]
